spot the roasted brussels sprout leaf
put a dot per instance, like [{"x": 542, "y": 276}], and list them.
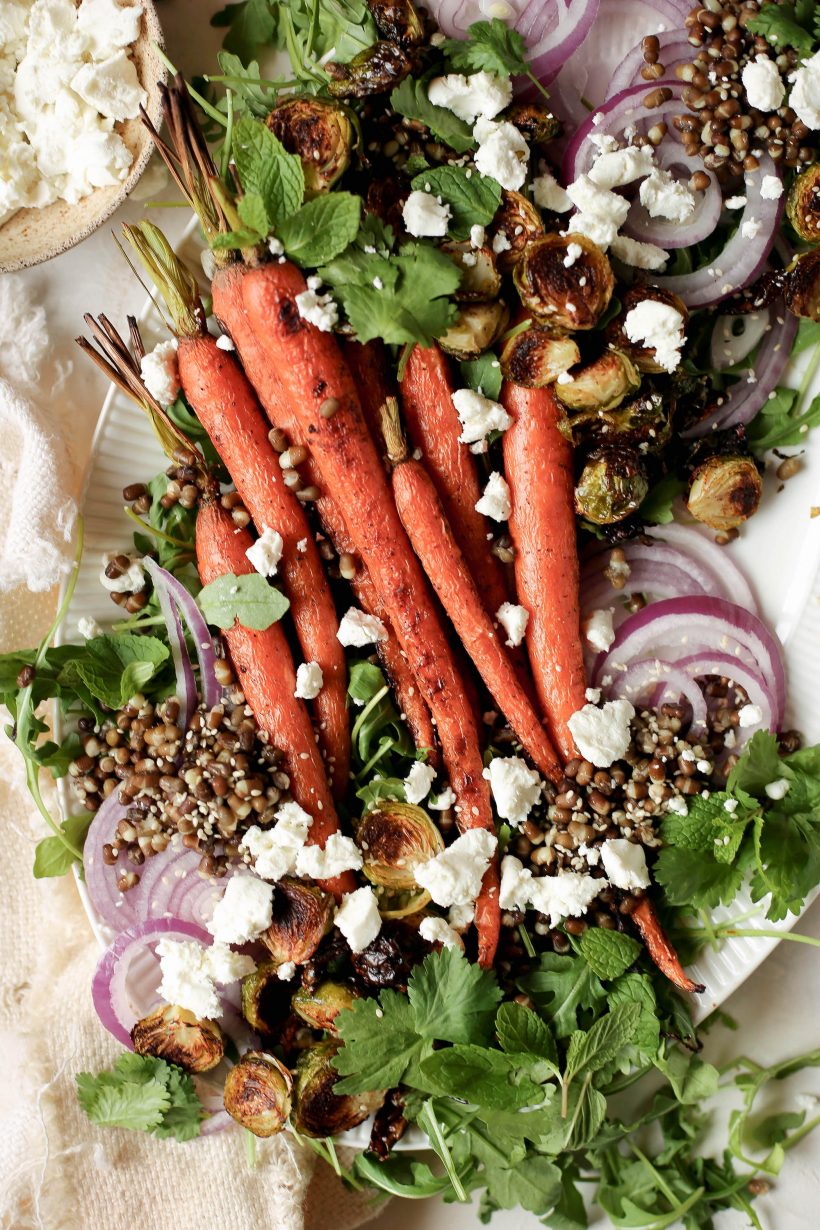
[
  {"x": 266, "y": 998},
  {"x": 258, "y": 1093},
  {"x": 480, "y": 279},
  {"x": 565, "y": 290},
  {"x": 302, "y": 917},
  {"x": 803, "y": 204},
  {"x": 725, "y": 491},
  {"x": 395, "y": 838},
  {"x": 379, "y": 68},
  {"x": 538, "y": 125},
  {"x": 602, "y": 384},
  {"x": 398, "y": 21},
  {"x": 319, "y": 1006},
  {"x": 612, "y": 485},
  {"x": 535, "y": 357},
  {"x": 317, "y": 1110},
  {"x": 516, "y": 224},
  {"x": 177, "y": 1035},
  {"x": 803, "y": 285},
  {"x": 322, "y": 135},
  {"x": 476, "y": 328}
]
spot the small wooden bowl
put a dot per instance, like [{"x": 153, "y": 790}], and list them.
[{"x": 34, "y": 235}]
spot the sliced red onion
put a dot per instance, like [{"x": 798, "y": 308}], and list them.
[
  {"x": 728, "y": 346},
  {"x": 662, "y": 679},
  {"x": 698, "y": 547},
  {"x": 658, "y": 580},
  {"x": 612, "y": 117},
  {"x": 675, "y": 49},
  {"x": 755, "y": 687},
  {"x": 116, "y": 908},
  {"x": 171, "y": 591},
  {"x": 554, "y": 31}
]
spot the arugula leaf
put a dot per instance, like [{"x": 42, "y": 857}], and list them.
[
  {"x": 560, "y": 988},
  {"x": 807, "y": 337},
  {"x": 692, "y": 1079},
  {"x": 267, "y": 170},
  {"x": 144, "y": 1094},
  {"x": 520, "y": 1030},
  {"x": 490, "y": 46},
  {"x": 777, "y": 426},
  {"x": 608, "y": 953},
  {"x": 453, "y": 1000},
  {"x": 488, "y": 1078},
  {"x": 534, "y": 1184},
  {"x": 248, "y": 94},
  {"x": 248, "y": 599},
  {"x": 114, "y": 668},
  {"x": 52, "y": 857},
  {"x": 483, "y": 374},
  {"x": 473, "y": 198},
  {"x": 410, "y": 100},
  {"x": 657, "y": 506},
  {"x": 251, "y": 23},
  {"x": 380, "y": 1042},
  {"x": 321, "y": 229},
  {"x": 786, "y": 25}
]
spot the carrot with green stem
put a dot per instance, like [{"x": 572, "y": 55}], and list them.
[
  {"x": 538, "y": 467},
  {"x": 323, "y": 398},
  {"x": 224, "y": 402}
]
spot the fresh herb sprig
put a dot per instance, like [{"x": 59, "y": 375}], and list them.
[
  {"x": 144, "y": 1094},
  {"x": 788, "y": 25},
  {"x": 493, "y": 47}
]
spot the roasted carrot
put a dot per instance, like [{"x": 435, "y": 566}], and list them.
[
  {"x": 264, "y": 667},
  {"x": 322, "y": 396},
  {"x": 538, "y": 466},
  {"x": 368, "y": 367},
  {"x": 433, "y": 541},
  {"x": 660, "y": 950}
]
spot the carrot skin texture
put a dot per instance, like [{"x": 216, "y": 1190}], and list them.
[
  {"x": 265, "y": 670},
  {"x": 368, "y": 367},
  {"x": 225, "y": 403},
  {"x": 538, "y": 466},
  {"x": 311, "y": 367},
  {"x": 660, "y": 950},
  {"x": 432, "y": 538}
]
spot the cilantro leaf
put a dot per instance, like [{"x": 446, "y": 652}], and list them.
[
  {"x": 183, "y": 1118},
  {"x": 788, "y": 862},
  {"x": 145, "y": 1094},
  {"x": 380, "y": 1041},
  {"x": 563, "y": 986},
  {"x": 51, "y": 857},
  {"x": 782, "y": 25},
  {"x": 321, "y": 229},
  {"x": 453, "y": 1000},
  {"x": 473, "y": 198},
  {"x": 266, "y": 169},
  {"x": 490, "y": 46},
  {"x": 125, "y": 1104},
  {"x": 520, "y": 1030},
  {"x": 759, "y": 764},
  {"x": 247, "y": 598},
  {"x": 410, "y": 100},
  {"x": 483, "y": 374},
  {"x": 692, "y": 877},
  {"x": 488, "y": 1078},
  {"x": 608, "y": 953},
  {"x": 114, "y": 668}
]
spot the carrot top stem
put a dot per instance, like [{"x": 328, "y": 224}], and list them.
[
  {"x": 392, "y": 431},
  {"x": 172, "y": 278}
]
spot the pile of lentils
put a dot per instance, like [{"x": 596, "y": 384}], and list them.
[{"x": 208, "y": 784}]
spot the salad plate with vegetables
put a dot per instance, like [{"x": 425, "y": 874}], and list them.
[{"x": 429, "y": 763}]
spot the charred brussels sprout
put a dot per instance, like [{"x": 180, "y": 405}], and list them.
[
  {"x": 642, "y": 356},
  {"x": 475, "y": 329},
  {"x": 803, "y": 204},
  {"x": 320, "y": 1006},
  {"x": 266, "y": 998},
  {"x": 258, "y": 1093},
  {"x": 535, "y": 357},
  {"x": 537, "y": 125},
  {"x": 725, "y": 491},
  {"x": 480, "y": 280},
  {"x": 317, "y": 1110},
  {"x": 302, "y": 917},
  {"x": 601, "y": 385},
  {"x": 180, "y": 1037},
  {"x": 803, "y": 285},
  {"x": 644, "y": 423},
  {"x": 564, "y": 296},
  {"x": 373, "y": 71},
  {"x": 320, "y": 133},
  {"x": 395, "y": 838},
  {"x": 398, "y": 21},
  {"x": 612, "y": 485},
  {"x": 517, "y": 222}
]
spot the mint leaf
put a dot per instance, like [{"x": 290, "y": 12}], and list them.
[
  {"x": 410, "y": 100},
  {"x": 608, "y": 953},
  {"x": 380, "y": 1042},
  {"x": 590, "y": 1051},
  {"x": 483, "y": 374},
  {"x": 638, "y": 989},
  {"x": 321, "y": 229},
  {"x": 561, "y": 988},
  {"x": 491, "y": 46},
  {"x": 694, "y": 878},
  {"x": 779, "y": 24},
  {"x": 114, "y": 668},
  {"x": 476, "y": 1074},
  {"x": 473, "y": 198},
  {"x": 51, "y": 858},
  {"x": 266, "y": 169},
  {"x": 520, "y": 1030},
  {"x": 253, "y": 213},
  {"x": 248, "y": 600},
  {"x": 453, "y": 1000}
]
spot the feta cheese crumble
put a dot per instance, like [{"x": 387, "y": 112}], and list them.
[
  {"x": 502, "y": 153},
  {"x": 618, "y": 167},
  {"x": 478, "y": 415},
  {"x": 638, "y": 254},
  {"x": 751, "y": 228},
  {"x": 243, "y": 911},
  {"x": 771, "y": 187},
  {"x": 319, "y": 310},
  {"x": 358, "y": 918},
  {"x": 444, "y": 800},
  {"x": 805, "y": 93},
  {"x": 424, "y": 215},
  {"x": 224, "y": 342},
  {"x": 749, "y": 715},
  {"x": 275, "y": 849},
  {"x": 598, "y": 630},
  {"x": 309, "y": 680},
  {"x": 658, "y": 326},
  {"x": 663, "y": 196},
  {"x": 160, "y": 372},
  {"x": 131, "y": 580},
  {"x": 513, "y": 620},
  {"x": 602, "y": 735},
  {"x": 480, "y": 95},
  {"x": 439, "y": 931},
  {"x": 338, "y": 855},
  {"x": 357, "y": 629},
  {"x": 88, "y": 627},
  {"x": 515, "y": 787},
  {"x": 477, "y": 236},
  {"x": 418, "y": 781},
  {"x": 569, "y": 894},
  {"x": 625, "y": 863},
  {"x": 778, "y": 789},
  {"x": 190, "y": 972},
  {"x": 454, "y": 876},
  {"x": 548, "y": 194},
  {"x": 495, "y": 502},
  {"x": 763, "y": 84},
  {"x": 266, "y": 552}
]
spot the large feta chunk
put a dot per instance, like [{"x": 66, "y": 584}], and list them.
[
  {"x": 616, "y": 168},
  {"x": 266, "y": 552},
  {"x": 763, "y": 84},
  {"x": 454, "y": 876},
  {"x": 805, "y": 93},
  {"x": 625, "y": 864},
  {"x": 438, "y": 931},
  {"x": 275, "y": 849},
  {"x": 548, "y": 194},
  {"x": 502, "y": 153},
  {"x": 470, "y": 97},
  {"x": 513, "y": 620},
  {"x": 418, "y": 781},
  {"x": 515, "y": 787},
  {"x": 478, "y": 415},
  {"x": 160, "y": 372},
  {"x": 663, "y": 196},
  {"x": 495, "y": 502},
  {"x": 309, "y": 680},
  {"x": 338, "y": 855},
  {"x": 110, "y": 86},
  {"x": 568, "y": 894},
  {"x": 660, "y": 327},
  {"x": 190, "y": 972},
  {"x": 425, "y": 215},
  {"x": 602, "y": 735},
  {"x": 243, "y": 911},
  {"x": 358, "y": 918},
  {"x": 358, "y": 629},
  {"x": 598, "y": 630}
]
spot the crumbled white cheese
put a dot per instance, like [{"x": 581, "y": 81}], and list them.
[
  {"x": 357, "y": 629},
  {"x": 111, "y": 87},
  {"x": 358, "y": 918},
  {"x": 478, "y": 415},
  {"x": 593, "y": 695},
  {"x": 513, "y": 620},
  {"x": 309, "y": 680},
  {"x": 565, "y": 895},
  {"x": 658, "y": 326},
  {"x": 616, "y": 168},
  {"x": 454, "y": 876},
  {"x": 778, "y": 789},
  {"x": 338, "y": 855},
  {"x": 275, "y": 246},
  {"x": 625, "y": 863},
  {"x": 266, "y": 552},
  {"x": 763, "y": 84},
  {"x": 224, "y": 342},
  {"x": 275, "y": 849},
  {"x": 574, "y": 250},
  {"x": 516, "y": 788},
  {"x": 439, "y": 931},
  {"x": 514, "y": 891},
  {"x": 88, "y": 627},
  {"x": 160, "y": 372},
  {"x": 424, "y": 215},
  {"x": 130, "y": 581},
  {"x": 418, "y": 781},
  {"x": 598, "y": 630},
  {"x": 677, "y": 805},
  {"x": 805, "y": 93},
  {"x": 749, "y": 715},
  {"x": 638, "y": 254},
  {"x": 771, "y": 187},
  {"x": 477, "y": 236},
  {"x": 460, "y": 916},
  {"x": 190, "y": 972},
  {"x": 446, "y": 798},
  {"x": 602, "y": 735},
  {"x": 501, "y": 243},
  {"x": 591, "y": 854},
  {"x": 495, "y": 502},
  {"x": 478, "y": 95},
  {"x": 751, "y": 228},
  {"x": 601, "y": 213},
  {"x": 735, "y": 202},
  {"x": 243, "y": 911},
  {"x": 319, "y": 310},
  {"x": 502, "y": 153},
  {"x": 548, "y": 194},
  {"x": 663, "y": 196},
  {"x": 286, "y": 971}
]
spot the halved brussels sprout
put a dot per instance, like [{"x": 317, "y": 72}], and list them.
[
  {"x": 803, "y": 285},
  {"x": 602, "y": 384},
  {"x": 374, "y": 71},
  {"x": 320, "y": 1006},
  {"x": 803, "y": 204},
  {"x": 535, "y": 357},
  {"x": 645, "y": 423},
  {"x": 612, "y": 485},
  {"x": 177, "y": 1035},
  {"x": 564, "y": 296},
  {"x": 725, "y": 491},
  {"x": 302, "y": 917},
  {"x": 398, "y": 21},
  {"x": 266, "y": 998},
  {"x": 477, "y": 326},
  {"x": 642, "y": 356},
  {"x": 480, "y": 280},
  {"x": 317, "y": 1110},
  {"x": 519, "y": 222},
  {"x": 258, "y": 1093},
  {"x": 321, "y": 133},
  {"x": 395, "y": 839},
  {"x": 534, "y": 121}
]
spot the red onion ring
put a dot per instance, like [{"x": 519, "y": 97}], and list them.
[
  {"x": 170, "y": 590},
  {"x": 658, "y": 579},
  {"x": 728, "y": 348},
  {"x": 559, "y": 33},
  {"x": 663, "y": 678},
  {"x": 116, "y": 908},
  {"x": 675, "y": 49},
  {"x": 717, "y": 560},
  {"x": 755, "y": 687}
]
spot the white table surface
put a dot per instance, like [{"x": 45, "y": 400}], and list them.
[{"x": 778, "y": 1010}]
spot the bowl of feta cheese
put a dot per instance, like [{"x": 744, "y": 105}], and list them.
[{"x": 73, "y": 76}]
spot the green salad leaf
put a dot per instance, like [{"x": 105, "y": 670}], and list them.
[
  {"x": 410, "y": 99},
  {"x": 144, "y": 1094},
  {"x": 788, "y": 25},
  {"x": 247, "y": 599},
  {"x": 490, "y": 46},
  {"x": 321, "y": 229},
  {"x": 115, "y": 667}
]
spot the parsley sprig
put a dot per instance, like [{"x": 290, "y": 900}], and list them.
[
  {"x": 493, "y": 47},
  {"x": 789, "y": 25}
]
